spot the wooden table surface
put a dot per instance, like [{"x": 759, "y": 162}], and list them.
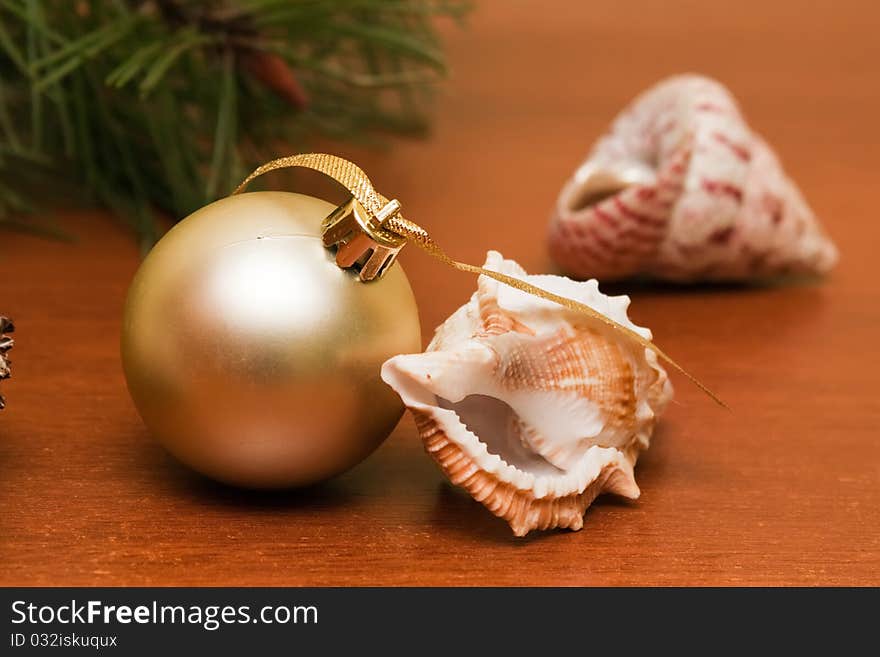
[{"x": 783, "y": 490}]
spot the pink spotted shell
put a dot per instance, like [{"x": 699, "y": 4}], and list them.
[{"x": 681, "y": 189}]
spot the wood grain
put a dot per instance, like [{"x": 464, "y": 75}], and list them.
[{"x": 783, "y": 490}]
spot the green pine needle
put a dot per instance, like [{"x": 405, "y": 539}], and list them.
[{"x": 163, "y": 105}]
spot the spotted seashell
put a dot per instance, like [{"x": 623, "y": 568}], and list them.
[
  {"x": 531, "y": 408},
  {"x": 681, "y": 189}
]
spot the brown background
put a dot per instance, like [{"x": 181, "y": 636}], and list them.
[{"x": 784, "y": 490}]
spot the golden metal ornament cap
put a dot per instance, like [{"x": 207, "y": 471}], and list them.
[{"x": 360, "y": 240}]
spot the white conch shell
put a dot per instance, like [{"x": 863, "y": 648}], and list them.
[
  {"x": 533, "y": 409},
  {"x": 680, "y": 188}
]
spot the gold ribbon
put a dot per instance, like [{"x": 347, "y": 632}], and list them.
[{"x": 352, "y": 177}]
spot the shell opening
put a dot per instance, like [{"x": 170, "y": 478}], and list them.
[
  {"x": 595, "y": 183},
  {"x": 497, "y": 425},
  {"x": 594, "y": 190}
]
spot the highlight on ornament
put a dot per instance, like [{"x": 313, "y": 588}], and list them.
[{"x": 681, "y": 188}]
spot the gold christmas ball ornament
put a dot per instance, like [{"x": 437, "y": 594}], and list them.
[{"x": 252, "y": 355}]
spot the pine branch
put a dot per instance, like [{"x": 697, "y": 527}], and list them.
[{"x": 162, "y": 105}]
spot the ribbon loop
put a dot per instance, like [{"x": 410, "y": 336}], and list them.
[{"x": 385, "y": 222}]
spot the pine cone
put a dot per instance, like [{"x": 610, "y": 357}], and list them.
[
  {"x": 5, "y": 345},
  {"x": 273, "y": 72}
]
